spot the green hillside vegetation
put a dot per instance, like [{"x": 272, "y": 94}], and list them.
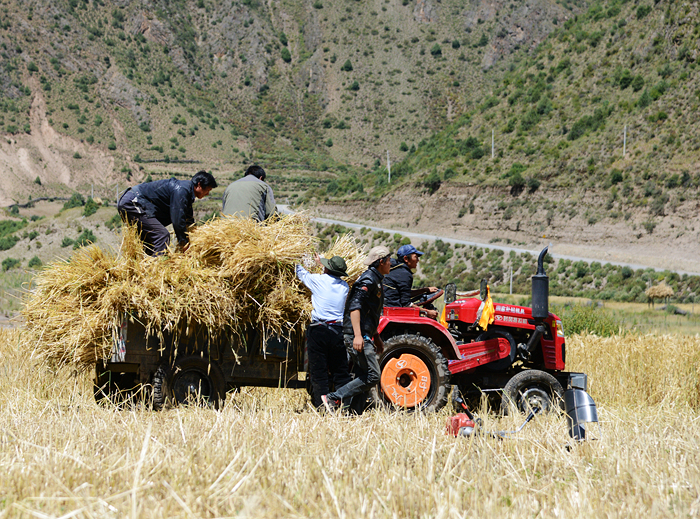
[
  {"x": 326, "y": 86},
  {"x": 558, "y": 115},
  {"x": 466, "y": 266}
]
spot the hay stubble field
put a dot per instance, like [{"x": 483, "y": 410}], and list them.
[{"x": 268, "y": 454}]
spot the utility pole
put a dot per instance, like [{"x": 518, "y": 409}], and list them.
[
  {"x": 492, "y": 146},
  {"x": 388, "y": 165},
  {"x": 511, "y": 280},
  {"x": 116, "y": 196},
  {"x": 624, "y": 143},
  {"x": 92, "y": 191}
]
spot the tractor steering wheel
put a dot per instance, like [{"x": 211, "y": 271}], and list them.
[{"x": 431, "y": 297}]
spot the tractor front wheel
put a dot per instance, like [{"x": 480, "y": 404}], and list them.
[
  {"x": 532, "y": 390},
  {"x": 414, "y": 374},
  {"x": 190, "y": 380}
]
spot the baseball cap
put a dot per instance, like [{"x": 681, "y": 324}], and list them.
[
  {"x": 405, "y": 250},
  {"x": 376, "y": 253}
]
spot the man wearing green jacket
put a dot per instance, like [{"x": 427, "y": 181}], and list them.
[{"x": 250, "y": 196}]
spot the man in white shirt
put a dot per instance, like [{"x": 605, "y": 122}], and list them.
[{"x": 324, "y": 336}]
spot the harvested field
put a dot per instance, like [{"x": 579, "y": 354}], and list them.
[{"x": 267, "y": 454}]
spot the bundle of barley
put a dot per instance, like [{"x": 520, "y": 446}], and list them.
[
  {"x": 659, "y": 291},
  {"x": 236, "y": 272}
]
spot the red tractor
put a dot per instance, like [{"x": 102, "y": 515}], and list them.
[{"x": 518, "y": 360}]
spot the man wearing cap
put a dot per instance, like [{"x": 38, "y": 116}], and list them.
[
  {"x": 398, "y": 284},
  {"x": 363, "y": 309},
  {"x": 324, "y": 336}
]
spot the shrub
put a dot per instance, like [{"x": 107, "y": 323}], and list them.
[
  {"x": 77, "y": 155},
  {"x": 67, "y": 242},
  {"x": 637, "y": 83},
  {"x": 455, "y": 44},
  {"x": 347, "y": 66},
  {"x": 31, "y": 67},
  {"x": 114, "y": 222},
  {"x": 403, "y": 147},
  {"x": 616, "y": 176},
  {"x": 516, "y": 181},
  {"x": 283, "y": 39},
  {"x": 286, "y": 55},
  {"x": 90, "y": 207},
  {"x": 644, "y": 99},
  {"x": 355, "y": 86},
  {"x": 37, "y": 180},
  {"x": 112, "y": 146},
  {"x": 436, "y": 50},
  {"x": 7, "y": 242},
  {"x": 76, "y": 200},
  {"x": 10, "y": 263},
  {"x": 643, "y": 11},
  {"x": 85, "y": 238},
  {"x": 35, "y": 262},
  {"x": 432, "y": 182}
]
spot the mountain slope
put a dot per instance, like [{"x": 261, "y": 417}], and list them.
[
  {"x": 561, "y": 169},
  {"x": 306, "y": 84}
]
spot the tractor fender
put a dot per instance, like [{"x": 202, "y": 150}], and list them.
[{"x": 396, "y": 325}]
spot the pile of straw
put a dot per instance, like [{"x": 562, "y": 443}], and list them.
[
  {"x": 236, "y": 272},
  {"x": 660, "y": 291}
]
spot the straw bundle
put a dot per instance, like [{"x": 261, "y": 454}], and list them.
[
  {"x": 236, "y": 272},
  {"x": 659, "y": 291}
]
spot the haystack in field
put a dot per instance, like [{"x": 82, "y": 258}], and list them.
[
  {"x": 236, "y": 272},
  {"x": 660, "y": 291}
]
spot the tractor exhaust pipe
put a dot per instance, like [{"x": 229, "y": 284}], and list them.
[
  {"x": 540, "y": 305},
  {"x": 540, "y": 290}
]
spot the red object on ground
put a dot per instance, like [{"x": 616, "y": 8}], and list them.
[{"x": 456, "y": 422}]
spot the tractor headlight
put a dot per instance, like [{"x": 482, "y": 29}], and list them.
[{"x": 560, "y": 328}]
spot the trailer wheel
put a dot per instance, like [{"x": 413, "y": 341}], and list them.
[
  {"x": 414, "y": 374},
  {"x": 117, "y": 388},
  {"x": 530, "y": 390},
  {"x": 190, "y": 380}
]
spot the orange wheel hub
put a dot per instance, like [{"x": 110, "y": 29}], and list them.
[{"x": 406, "y": 380}]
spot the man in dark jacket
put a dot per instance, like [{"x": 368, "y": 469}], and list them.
[
  {"x": 250, "y": 196},
  {"x": 398, "y": 284},
  {"x": 363, "y": 309},
  {"x": 154, "y": 205}
]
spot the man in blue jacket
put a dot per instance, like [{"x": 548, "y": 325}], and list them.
[
  {"x": 363, "y": 309},
  {"x": 398, "y": 284},
  {"x": 154, "y": 205}
]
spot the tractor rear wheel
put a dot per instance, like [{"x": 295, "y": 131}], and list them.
[
  {"x": 532, "y": 390},
  {"x": 414, "y": 374},
  {"x": 190, "y": 380}
]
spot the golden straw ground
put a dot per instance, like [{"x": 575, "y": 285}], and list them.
[{"x": 267, "y": 455}]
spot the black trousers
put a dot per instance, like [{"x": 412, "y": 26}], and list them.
[
  {"x": 327, "y": 353},
  {"x": 154, "y": 235}
]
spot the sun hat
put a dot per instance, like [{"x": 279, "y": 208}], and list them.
[{"x": 336, "y": 266}]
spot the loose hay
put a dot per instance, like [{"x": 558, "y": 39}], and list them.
[{"x": 236, "y": 272}]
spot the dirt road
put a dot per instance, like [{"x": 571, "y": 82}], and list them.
[{"x": 505, "y": 248}]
